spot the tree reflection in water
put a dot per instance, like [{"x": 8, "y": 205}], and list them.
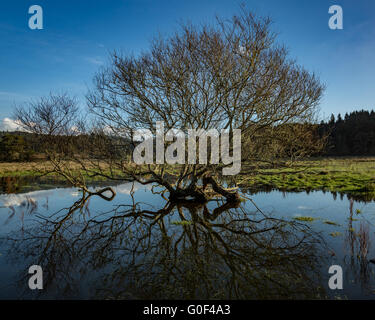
[
  {"x": 182, "y": 251},
  {"x": 358, "y": 243}
]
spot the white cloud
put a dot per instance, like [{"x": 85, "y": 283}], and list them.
[
  {"x": 15, "y": 200},
  {"x": 126, "y": 188},
  {"x": 8, "y": 124}
]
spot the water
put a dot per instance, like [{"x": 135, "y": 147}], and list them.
[{"x": 138, "y": 246}]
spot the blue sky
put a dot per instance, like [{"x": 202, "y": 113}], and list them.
[{"x": 78, "y": 35}]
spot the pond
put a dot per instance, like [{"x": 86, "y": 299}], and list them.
[{"x": 274, "y": 245}]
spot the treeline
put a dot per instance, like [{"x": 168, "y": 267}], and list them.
[
  {"x": 16, "y": 146},
  {"x": 352, "y": 135},
  {"x": 21, "y": 146}
]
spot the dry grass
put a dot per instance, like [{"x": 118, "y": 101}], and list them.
[
  {"x": 23, "y": 168},
  {"x": 32, "y": 168}
]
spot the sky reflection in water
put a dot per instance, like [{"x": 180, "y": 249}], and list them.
[{"x": 142, "y": 247}]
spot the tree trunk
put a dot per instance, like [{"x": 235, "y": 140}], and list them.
[{"x": 201, "y": 194}]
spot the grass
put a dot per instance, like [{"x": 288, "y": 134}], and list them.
[
  {"x": 22, "y": 169},
  {"x": 36, "y": 169},
  {"x": 355, "y": 176},
  {"x": 344, "y": 175},
  {"x": 305, "y": 219},
  {"x": 331, "y": 223},
  {"x": 18, "y": 177}
]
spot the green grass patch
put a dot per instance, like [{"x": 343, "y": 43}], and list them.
[
  {"x": 354, "y": 176},
  {"x": 305, "y": 219},
  {"x": 331, "y": 223}
]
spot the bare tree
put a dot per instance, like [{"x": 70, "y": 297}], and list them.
[
  {"x": 53, "y": 115},
  {"x": 232, "y": 75},
  {"x": 226, "y": 76},
  {"x": 55, "y": 122}
]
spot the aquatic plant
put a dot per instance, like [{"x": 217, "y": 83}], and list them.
[
  {"x": 306, "y": 219},
  {"x": 331, "y": 223},
  {"x": 335, "y": 234}
]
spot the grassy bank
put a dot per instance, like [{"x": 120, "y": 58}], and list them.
[
  {"x": 37, "y": 169},
  {"x": 22, "y": 169},
  {"x": 18, "y": 177},
  {"x": 347, "y": 175}
]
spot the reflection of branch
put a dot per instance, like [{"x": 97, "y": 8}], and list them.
[
  {"x": 101, "y": 195},
  {"x": 207, "y": 255},
  {"x": 359, "y": 243},
  {"x": 78, "y": 181}
]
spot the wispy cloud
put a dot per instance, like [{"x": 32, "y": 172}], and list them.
[
  {"x": 13, "y": 95},
  {"x": 95, "y": 60}
]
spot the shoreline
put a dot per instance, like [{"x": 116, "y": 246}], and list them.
[{"x": 351, "y": 175}]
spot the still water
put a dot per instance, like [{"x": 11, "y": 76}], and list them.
[{"x": 139, "y": 246}]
